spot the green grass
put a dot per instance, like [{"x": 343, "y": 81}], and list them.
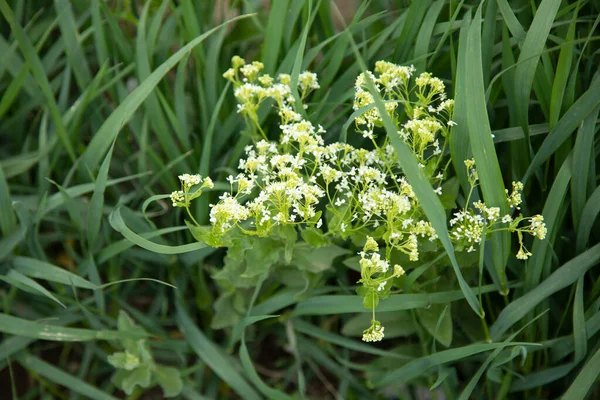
[{"x": 103, "y": 104}]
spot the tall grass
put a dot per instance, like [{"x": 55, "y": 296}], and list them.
[{"x": 102, "y": 104}]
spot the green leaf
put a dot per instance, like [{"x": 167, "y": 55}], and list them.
[
  {"x": 314, "y": 237},
  {"x": 316, "y": 259},
  {"x": 37, "y": 69},
  {"x": 62, "y": 378},
  {"x": 48, "y": 272},
  {"x": 97, "y": 201},
  {"x": 419, "y": 367},
  {"x": 141, "y": 377},
  {"x": 263, "y": 254},
  {"x": 8, "y": 220},
  {"x": 585, "y": 379},
  {"x": 22, "y": 327},
  {"x": 339, "y": 304},
  {"x": 527, "y": 63},
  {"x": 123, "y": 113},
  {"x": 429, "y": 318},
  {"x": 274, "y": 34},
  {"x": 578, "y": 112},
  {"x": 124, "y": 360},
  {"x": 16, "y": 277},
  {"x": 480, "y": 134},
  {"x": 210, "y": 354},
  {"x": 116, "y": 221},
  {"x": 169, "y": 380},
  {"x": 564, "y": 276}
]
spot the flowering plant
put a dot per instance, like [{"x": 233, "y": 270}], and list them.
[{"x": 331, "y": 193}]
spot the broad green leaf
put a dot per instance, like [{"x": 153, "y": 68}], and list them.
[
  {"x": 169, "y": 380},
  {"x": 141, "y": 376}
]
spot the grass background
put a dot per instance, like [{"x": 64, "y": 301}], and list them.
[{"x": 102, "y": 104}]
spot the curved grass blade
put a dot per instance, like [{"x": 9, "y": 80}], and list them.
[
  {"x": 116, "y": 221},
  {"x": 8, "y": 220},
  {"x": 460, "y": 143},
  {"x": 564, "y": 276},
  {"x": 113, "y": 124},
  {"x": 552, "y": 218}
]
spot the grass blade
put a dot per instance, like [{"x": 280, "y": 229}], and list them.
[
  {"x": 97, "y": 202},
  {"x": 339, "y": 304},
  {"x": 116, "y": 221},
  {"x": 564, "y": 276},
  {"x": 59, "y": 376},
  {"x": 113, "y": 124},
  {"x": 583, "y": 107},
  {"x": 482, "y": 145},
  {"x": 37, "y": 69},
  {"x": 210, "y": 354},
  {"x": 533, "y": 45},
  {"x": 274, "y": 34},
  {"x": 22, "y": 327},
  {"x": 585, "y": 379}
]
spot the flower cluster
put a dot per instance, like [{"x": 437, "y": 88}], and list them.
[
  {"x": 183, "y": 197},
  {"x": 339, "y": 190},
  {"x": 470, "y": 226}
]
